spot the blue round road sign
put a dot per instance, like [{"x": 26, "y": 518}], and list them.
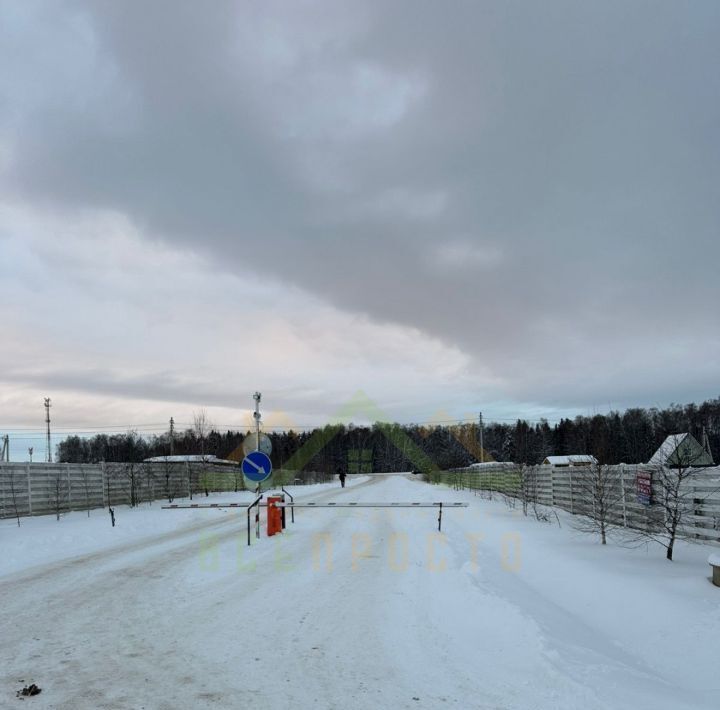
[{"x": 257, "y": 466}]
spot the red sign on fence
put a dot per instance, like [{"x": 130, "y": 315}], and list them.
[{"x": 643, "y": 486}]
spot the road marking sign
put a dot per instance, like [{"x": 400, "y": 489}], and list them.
[{"x": 257, "y": 466}]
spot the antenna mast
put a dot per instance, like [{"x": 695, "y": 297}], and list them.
[{"x": 47, "y": 422}]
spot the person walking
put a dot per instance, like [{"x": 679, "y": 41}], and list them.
[{"x": 341, "y": 476}]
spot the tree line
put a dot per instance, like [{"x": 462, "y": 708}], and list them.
[{"x": 628, "y": 437}]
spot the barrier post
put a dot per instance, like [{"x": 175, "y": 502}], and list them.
[
  {"x": 292, "y": 508},
  {"x": 255, "y": 503},
  {"x": 274, "y": 519}
]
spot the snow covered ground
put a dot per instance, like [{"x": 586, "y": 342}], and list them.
[
  {"x": 43, "y": 539},
  {"x": 351, "y": 609}
]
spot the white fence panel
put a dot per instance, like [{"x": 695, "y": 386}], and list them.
[{"x": 563, "y": 487}]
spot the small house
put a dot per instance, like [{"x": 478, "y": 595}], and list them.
[
  {"x": 190, "y": 458},
  {"x": 682, "y": 450}
]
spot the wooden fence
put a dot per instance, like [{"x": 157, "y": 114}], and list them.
[
  {"x": 567, "y": 488},
  {"x": 41, "y": 488}
]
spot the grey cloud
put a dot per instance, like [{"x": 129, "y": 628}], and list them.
[
  {"x": 166, "y": 386},
  {"x": 576, "y": 144}
]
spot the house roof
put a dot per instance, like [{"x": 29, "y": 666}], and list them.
[
  {"x": 484, "y": 454},
  {"x": 570, "y": 459},
  {"x": 677, "y": 447},
  {"x": 667, "y": 448}
]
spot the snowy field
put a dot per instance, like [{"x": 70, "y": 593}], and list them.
[{"x": 350, "y": 609}]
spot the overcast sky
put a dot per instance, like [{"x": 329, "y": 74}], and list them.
[{"x": 455, "y": 206}]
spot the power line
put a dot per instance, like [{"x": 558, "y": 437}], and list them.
[
  {"x": 90, "y": 427},
  {"x": 239, "y": 430},
  {"x": 162, "y": 427},
  {"x": 121, "y": 429},
  {"x": 87, "y": 430}
]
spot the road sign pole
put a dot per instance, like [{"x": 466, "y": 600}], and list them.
[{"x": 256, "y": 414}]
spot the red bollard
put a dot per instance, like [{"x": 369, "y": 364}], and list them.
[{"x": 274, "y": 515}]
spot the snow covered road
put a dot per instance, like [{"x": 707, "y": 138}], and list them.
[{"x": 361, "y": 609}]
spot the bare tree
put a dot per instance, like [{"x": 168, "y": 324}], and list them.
[
  {"x": 676, "y": 497},
  {"x": 170, "y": 481},
  {"x": 597, "y": 498},
  {"x": 528, "y": 492},
  {"x": 527, "y": 488},
  {"x": 190, "y": 471},
  {"x": 205, "y": 479},
  {"x": 149, "y": 483},
  {"x": 132, "y": 472},
  {"x": 510, "y": 499},
  {"x": 85, "y": 474},
  {"x": 13, "y": 495},
  {"x": 458, "y": 479},
  {"x": 202, "y": 427},
  {"x": 111, "y": 510},
  {"x": 58, "y": 492}
]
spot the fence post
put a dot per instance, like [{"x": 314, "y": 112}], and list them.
[
  {"x": 69, "y": 485},
  {"x": 103, "y": 482},
  {"x": 187, "y": 471},
  {"x": 622, "y": 488},
  {"x": 552, "y": 488},
  {"x": 572, "y": 507},
  {"x": 29, "y": 487}
]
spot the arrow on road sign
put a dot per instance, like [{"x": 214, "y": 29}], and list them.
[{"x": 257, "y": 466}]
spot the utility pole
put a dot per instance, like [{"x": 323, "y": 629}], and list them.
[
  {"x": 30, "y": 452},
  {"x": 172, "y": 435},
  {"x": 47, "y": 421},
  {"x": 5, "y": 452},
  {"x": 482, "y": 450}
]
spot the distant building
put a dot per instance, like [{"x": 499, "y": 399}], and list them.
[
  {"x": 190, "y": 458},
  {"x": 570, "y": 460},
  {"x": 483, "y": 454},
  {"x": 682, "y": 450},
  {"x": 492, "y": 465}
]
